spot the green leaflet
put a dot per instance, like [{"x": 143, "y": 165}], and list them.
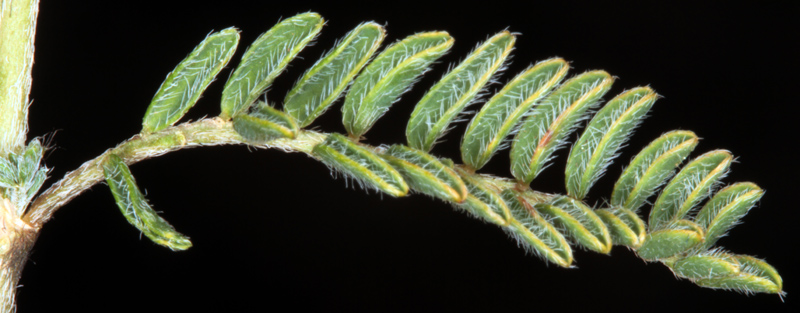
[
  {"x": 754, "y": 276},
  {"x": 265, "y": 59},
  {"x": 265, "y": 123},
  {"x": 392, "y": 73},
  {"x": 624, "y": 226},
  {"x": 501, "y": 114},
  {"x": 760, "y": 268},
  {"x": 744, "y": 283},
  {"x": 136, "y": 209},
  {"x": 448, "y": 162},
  {"x": 29, "y": 161},
  {"x": 484, "y": 202},
  {"x": 8, "y": 173},
  {"x": 534, "y": 232},
  {"x": 688, "y": 225},
  {"x": 322, "y": 84},
  {"x": 726, "y": 208},
  {"x": 579, "y": 221},
  {"x": 30, "y": 187},
  {"x": 362, "y": 164},
  {"x": 680, "y": 237},
  {"x": 691, "y": 185},
  {"x": 184, "y": 85},
  {"x": 34, "y": 183},
  {"x": 604, "y": 136},
  {"x": 445, "y": 100},
  {"x": 707, "y": 265},
  {"x": 483, "y": 210},
  {"x": 651, "y": 168},
  {"x": 22, "y": 175},
  {"x": 550, "y": 122},
  {"x": 426, "y": 174}
]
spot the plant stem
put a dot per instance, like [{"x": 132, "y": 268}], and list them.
[
  {"x": 16, "y": 241},
  {"x": 17, "y": 29},
  {"x": 206, "y": 132}
]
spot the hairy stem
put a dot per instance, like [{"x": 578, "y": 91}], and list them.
[
  {"x": 206, "y": 132},
  {"x": 16, "y": 240},
  {"x": 17, "y": 29}
]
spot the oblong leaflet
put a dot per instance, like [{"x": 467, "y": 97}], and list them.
[
  {"x": 323, "y": 83},
  {"x": 707, "y": 265},
  {"x": 609, "y": 129},
  {"x": 135, "y": 208},
  {"x": 760, "y": 268},
  {"x": 388, "y": 76},
  {"x": 360, "y": 163},
  {"x": 624, "y": 226},
  {"x": 426, "y": 174},
  {"x": 580, "y": 222},
  {"x": 744, "y": 283},
  {"x": 682, "y": 236},
  {"x": 651, "y": 168},
  {"x": 29, "y": 161},
  {"x": 455, "y": 91},
  {"x": 534, "y": 232},
  {"x": 484, "y": 202},
  {"x": 692, "y": 184},
  {"x": 265, "y": 59},
  {"x": 726, "y": 208},
  {"x": 487, "y": 131},
  {"x": 184, "y": 85},
  {"x": 8, "y": 173},
  {"x": 546, "y": 129},
  {"x": 265, "y": 123}
]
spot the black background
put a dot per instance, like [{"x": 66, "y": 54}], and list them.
[{"x": 274, "y": 230}]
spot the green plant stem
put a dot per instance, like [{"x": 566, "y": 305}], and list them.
[
  {"x": 16, "y": 241},
  {"x": 17, "y": 29},
  {"x": 206, "y": 132}
]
